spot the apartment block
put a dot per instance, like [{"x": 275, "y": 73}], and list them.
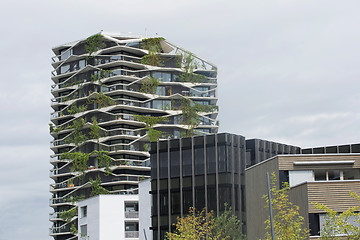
[
  {"x": 106, "y": 217},
  {"x": 313, "y": 178},
  {"x": 112, "y": 95}
]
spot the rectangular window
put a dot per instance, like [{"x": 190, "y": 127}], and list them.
[
  {"x": 320, "y": 175},
  {"x": 187, "y": 166},
  {"x": 83, "y": 230},
  {"x": 83, "y": 211}
]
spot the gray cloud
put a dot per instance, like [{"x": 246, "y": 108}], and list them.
[{"x": 288, "y": 72}]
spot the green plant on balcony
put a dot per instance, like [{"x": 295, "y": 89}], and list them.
[
  {"x": 104, "y": 160},
  {"x": 77, "y": 136},
  {"x": 72, "y": 83},
  {"x": 153, "y": 45},
  {"x": 100, "y": 74},
  {"x": 150, "y": 121},
  {"x": 94, "y": 129},
  {"x": 67, "y": 98},
  {"x": 154, "y": 135},
  {"x": 101, "y": 100},
  {"x": 190, "y": 112},
  {"x": 79, "y": 161},
  {"x": 75, "y": 109},
  {"x": 96, "y": 188},
  {"x": 68, "y": 215},
  {"x": 150, "y": 85},
  {"x": 93, "y": 44},
  {"x": 73, "y": 229},
  {"x": 51, "y": 127},
  {"x": 188, "y": 64}
]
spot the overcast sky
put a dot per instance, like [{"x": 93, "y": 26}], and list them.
[{"x": 288, "y": 72}]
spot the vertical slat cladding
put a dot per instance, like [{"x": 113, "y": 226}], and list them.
[
  {"x": 217, "y": 176},
  {"x": 233, "y": 137},
  {"x": 193, "y": 171},
  {"x": 181, "y": 183},
  {"x": 333, "y": 194},
  {"x": 205, "y": 177},
  {"x": 169, "y": 186},
  {"x": 286, "y": 162},
  {"x": 158, "y": 187}
]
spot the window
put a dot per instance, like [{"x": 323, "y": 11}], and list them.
[
  {"x": 83, "y": 230},
  {"x": 331, "y": 175},
  {"x": 83, "y": 211}
]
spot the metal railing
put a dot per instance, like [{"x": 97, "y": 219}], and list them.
[
  {"x": 132, "y": 214},
  {"x": 131, "y": 234}
]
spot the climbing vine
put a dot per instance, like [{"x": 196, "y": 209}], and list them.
[
  {"x": 154, "y": 48},
  {"x": 150, "y": 85},
  {"x": 94, "y": 43}
]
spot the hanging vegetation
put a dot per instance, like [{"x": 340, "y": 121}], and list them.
[
  {"x": 96, "y": 188},
  {"x": 101, "y": 100},
  {"x": 150, "y": 85},
  {"x": 79, "y": 161},
  {"x": 150, "y": 121},
  {"x": 69, "y": 214},
  {"x": 188, "y": 64},
  {"x": 94, "y": 129},
  {"x": 100, "y": 74},
  {"x": 190, "y": 112},
  {"x": 77, "y": 136},
  {"x": 93, "y": 44},
  {"x": 75, "y": 109},
  {"x": 154, "y": 48},
  {"x": 104, "y": 160}
]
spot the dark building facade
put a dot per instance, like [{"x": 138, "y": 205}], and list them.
[
  {"x": 258, "y": 150},
  {"x": 347, "y": 148},
  {"x": 201, "y": 172}
]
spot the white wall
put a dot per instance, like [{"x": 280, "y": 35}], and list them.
[
  {"x": 145, "y": 202},
  {"x": 297, "y": 177},
  {"x": 106, "y": 216},
  {"x": 92, "y": 218}
]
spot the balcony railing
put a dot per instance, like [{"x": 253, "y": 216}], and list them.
[
  {"x": 62, "y": 229},
  {"x": 132, "y": 214},
  {"x": 131, "y": 234}
]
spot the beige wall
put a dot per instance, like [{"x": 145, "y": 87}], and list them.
[
  {"x": 286, "y": 162},
  {"x": 256, "y": 188}
]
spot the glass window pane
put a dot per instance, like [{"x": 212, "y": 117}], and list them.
[
  {"x": 320, "y": 175},
  {"x": 351, "y": 174},
  {"x": 187, "y": 167},
  {"x": 334, "y": 174}
]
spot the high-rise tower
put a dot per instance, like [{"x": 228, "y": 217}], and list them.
[{"x": 113, "y": 94}]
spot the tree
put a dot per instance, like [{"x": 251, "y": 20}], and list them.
[
  {"x": 345, "y": 223},
  {"x": 228, "y": 225},
  {"x": 199, "y": 225},
  {"x": 195, "y": 226},
  {"x": 287, "y": 220}
]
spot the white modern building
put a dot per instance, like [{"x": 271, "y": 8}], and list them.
[{"x": 105, "y": 217}]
